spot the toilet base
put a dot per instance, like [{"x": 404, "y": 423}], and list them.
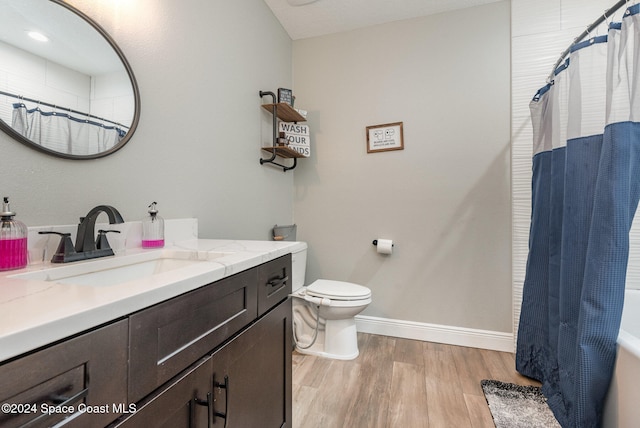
[{"x": 338, "y": 340}]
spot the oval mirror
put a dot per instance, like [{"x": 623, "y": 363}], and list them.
[{"x": 65, "y": 87}]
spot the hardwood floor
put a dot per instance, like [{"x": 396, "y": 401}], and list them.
[{"x": 398, "y": 383}]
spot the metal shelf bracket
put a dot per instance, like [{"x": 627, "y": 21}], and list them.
[{"x": 274, "y": 114}]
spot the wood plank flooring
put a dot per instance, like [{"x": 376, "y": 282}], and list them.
[{"x": 398, "y": 383}]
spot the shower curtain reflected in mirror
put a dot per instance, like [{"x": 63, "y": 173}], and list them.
[
  {"x": 585, "y": 191},
  {"x": 63, "y": 132}
]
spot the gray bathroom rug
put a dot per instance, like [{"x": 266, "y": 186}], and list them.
[{"x": 515, "y": 406}]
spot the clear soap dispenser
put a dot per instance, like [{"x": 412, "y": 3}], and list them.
[
  {"x": 153, "y": 229},
  {"x": 13, "y": 240}
]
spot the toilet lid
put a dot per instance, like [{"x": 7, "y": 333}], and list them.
[{"x": 338, "y": 290}]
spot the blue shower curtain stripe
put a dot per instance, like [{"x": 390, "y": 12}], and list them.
[
  {"x": 63, "y": 132},
  {"x": 585, "y": 192}
]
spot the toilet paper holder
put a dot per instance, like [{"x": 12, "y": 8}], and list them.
[{"x": 375, "y": 242}]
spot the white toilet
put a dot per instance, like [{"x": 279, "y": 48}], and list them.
[{"x": 323, "y": 313}]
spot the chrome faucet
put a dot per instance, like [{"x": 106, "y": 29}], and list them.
[{"x": 87, "y": 245}]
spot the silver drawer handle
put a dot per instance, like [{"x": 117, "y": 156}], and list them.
[{"x": 67, "y": 401}]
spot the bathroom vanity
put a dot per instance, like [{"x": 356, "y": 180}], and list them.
[{"x": 213, "y": 350}]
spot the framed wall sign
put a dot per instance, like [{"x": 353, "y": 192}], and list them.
[
  {"x": 285, "y": 96},
  {"x": 382, "y": 138}
]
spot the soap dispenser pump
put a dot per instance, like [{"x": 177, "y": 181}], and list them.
[
  {"x": 13, "y": 240},
  {"x": 153, "y": 229}
]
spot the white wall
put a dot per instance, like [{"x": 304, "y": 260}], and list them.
[
  {"x": 199, "y": 66},
  {"x": 112, "y": 97},
  {"x": 22, "y": 73},
  {"x": 445, "y": 198}
]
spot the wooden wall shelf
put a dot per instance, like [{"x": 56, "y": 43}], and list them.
[
  {"x": 283, "y": 152},
  {"x": 286, "y": 113}
]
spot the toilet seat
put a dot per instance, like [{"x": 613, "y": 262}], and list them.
[{"x": 338, "y": 290}]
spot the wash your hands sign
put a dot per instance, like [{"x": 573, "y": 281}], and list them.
[{"x": 297, "y": 137}]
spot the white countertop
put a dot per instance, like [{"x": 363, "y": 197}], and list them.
[{"x": 35, "y": 313}]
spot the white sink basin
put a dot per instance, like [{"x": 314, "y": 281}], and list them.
[
  {"x": 127, "y": 273},
  {"x": 120, "y": 269}
]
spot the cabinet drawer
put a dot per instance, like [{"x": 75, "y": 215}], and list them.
[
  {"x": 168, "y": 337},
  {"x": 274, "y": 283},
  {"x": 84, "y": 373}
]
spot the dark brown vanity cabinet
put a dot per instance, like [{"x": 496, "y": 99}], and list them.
[
  {"x": 246, "y": 383},
  {"x": 241, "y": 326},
  {"x": 85, "y": 376},
  {"x": 165, "y": 339},
  {"x": 216, "y": 356}
]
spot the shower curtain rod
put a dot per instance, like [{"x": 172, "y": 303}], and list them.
[
  {"x": 607, "y": 14},
  {"x": 20, "y": 97}
]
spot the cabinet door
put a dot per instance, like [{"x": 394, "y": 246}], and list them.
[
  {"x": 252, "y": 374},
  {"x": 85, "y": 376},
  {"x": 167, "y": 338},
  {"x": 274, "y": 283},
  {"x": 182, "y": 403}
]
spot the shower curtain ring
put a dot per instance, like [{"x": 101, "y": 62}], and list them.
[{"x": 606, "y": 22}]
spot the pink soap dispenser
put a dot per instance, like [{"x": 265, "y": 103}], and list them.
[
  {"x": 153, "y": 229},
  {"x": 13, "y": 240}
]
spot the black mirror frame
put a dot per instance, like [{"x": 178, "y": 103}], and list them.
[{"x": 136, "y": 95}]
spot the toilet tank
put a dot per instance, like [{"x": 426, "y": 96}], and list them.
[{"x": 298, "y": 266}]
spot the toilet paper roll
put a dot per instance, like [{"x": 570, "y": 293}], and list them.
[{"x": 385, "y": 246}]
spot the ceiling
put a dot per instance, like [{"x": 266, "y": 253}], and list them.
[
  {"x": 72, "y": 42},
  {"x": 307, "y": 18}
]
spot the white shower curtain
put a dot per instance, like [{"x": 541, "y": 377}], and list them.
[
  {"x": 64, "y": 133},
  {"x": 585, "y": 191}
]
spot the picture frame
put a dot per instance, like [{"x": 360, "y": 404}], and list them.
[
  {"x": 384, "y": 138},
  {"x": 285, "y": 96}
]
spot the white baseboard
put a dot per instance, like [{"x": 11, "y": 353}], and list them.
[{"x": 484, "y": 339}]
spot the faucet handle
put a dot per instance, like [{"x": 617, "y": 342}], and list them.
[
  {"x": 65, "y": 247},
  {"x": 101, "y": 241}
]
